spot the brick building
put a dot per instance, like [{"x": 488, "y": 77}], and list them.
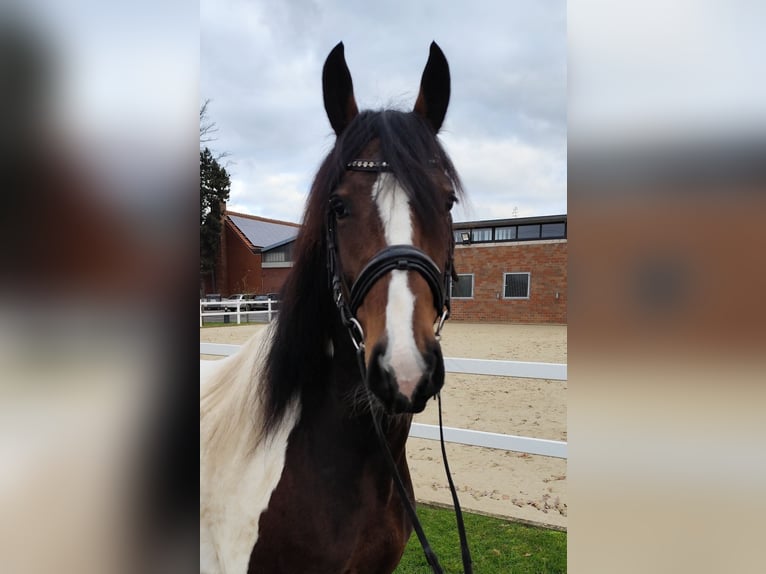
[
  {"x": 511, "y": 270},
  {"x": 254, "y": 255}
]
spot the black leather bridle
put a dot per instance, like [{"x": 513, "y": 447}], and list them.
[{"x": 391, "y": 258}]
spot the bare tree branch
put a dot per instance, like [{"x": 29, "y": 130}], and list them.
[{"x": 206, "y": 127}]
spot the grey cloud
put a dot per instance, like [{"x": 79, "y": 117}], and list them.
[{"x": 261, "y": 65}]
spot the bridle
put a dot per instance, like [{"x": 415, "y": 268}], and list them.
[{"x": 391, "y": 258}]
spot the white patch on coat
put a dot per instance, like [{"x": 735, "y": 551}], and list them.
[
  {"x": 239, "y": 471},
  {"x": 402, "y": 356}
]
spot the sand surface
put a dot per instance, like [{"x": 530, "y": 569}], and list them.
[{"x": 519, "y": 486}]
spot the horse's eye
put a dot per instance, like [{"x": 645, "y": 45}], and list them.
[
  {"x": 451, "y": 201},
  {"x": 339, "y": 207}
]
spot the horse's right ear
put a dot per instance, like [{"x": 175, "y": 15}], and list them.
[{"x": 338, "y": 90}]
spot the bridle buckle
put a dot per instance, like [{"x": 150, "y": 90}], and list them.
[{"x": 357, "y": 334}]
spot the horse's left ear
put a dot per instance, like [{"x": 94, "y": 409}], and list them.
[
  {"x": 434, "y": 88},
  {"x": 338, "y": 90}
]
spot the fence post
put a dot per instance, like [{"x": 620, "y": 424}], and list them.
[
  {"x": 239, "y": 308},
  {"x": 200, "y": 312},
  {"x": 268, "y": 301}
]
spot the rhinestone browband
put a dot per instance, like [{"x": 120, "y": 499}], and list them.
[{"x": 368, "y": 165}]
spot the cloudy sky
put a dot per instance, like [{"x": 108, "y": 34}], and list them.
[{"x": 506, "y": 127}]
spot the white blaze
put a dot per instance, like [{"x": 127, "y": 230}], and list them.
[{"x": 402, "y": 356}]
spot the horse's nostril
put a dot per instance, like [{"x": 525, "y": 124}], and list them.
[{"x": 379, "y": 379}]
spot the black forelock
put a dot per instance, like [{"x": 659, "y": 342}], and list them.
[{"x": 409, "y": 146}]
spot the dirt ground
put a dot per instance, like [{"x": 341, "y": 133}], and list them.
[{"x": 519, "y": 486}]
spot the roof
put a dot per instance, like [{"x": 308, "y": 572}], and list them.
[
  {"x": 261, "y": 232},
  {"x": 515, "y": 221},
  {"x": 266, "y": 234}
]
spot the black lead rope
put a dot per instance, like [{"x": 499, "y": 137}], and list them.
[
  {"x": 465, "y": 552},
  {"x": 433, "y": 561},
  {"x": 431, "y": 558}
]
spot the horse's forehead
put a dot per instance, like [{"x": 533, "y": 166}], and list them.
[{"x": 371, "y": 149}]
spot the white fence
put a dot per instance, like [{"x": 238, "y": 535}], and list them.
[
  {"x": 240, "y": 312},
  {"x": 544, "y": 447}
]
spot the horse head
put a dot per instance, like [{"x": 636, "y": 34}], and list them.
[{"x": 389, "y": 232}]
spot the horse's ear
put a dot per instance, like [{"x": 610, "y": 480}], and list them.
[
  {"x": 434, "y": 88},
  {"x": 338, "y": 90}
]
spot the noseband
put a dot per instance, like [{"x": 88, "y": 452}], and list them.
[
  {"x": 391, "y": 258},
  {"x": 405, "y": 258}
]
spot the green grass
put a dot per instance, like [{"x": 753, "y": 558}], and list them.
[{"x": 497, "y": 546}]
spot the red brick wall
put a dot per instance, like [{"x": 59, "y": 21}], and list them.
[
  {"x": 243, "y": 267},
  {"x": 546, "y": 261},
  {"x": 273, "y": 278}
]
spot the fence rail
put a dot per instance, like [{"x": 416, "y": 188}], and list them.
[
  {"x": 520, "y": 369},
  {"x": 221, "y": 311}
]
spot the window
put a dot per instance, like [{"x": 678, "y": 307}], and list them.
[
  {"x": 279, "y": 254},
  {"x": 484, "y": 234},
  {"x": 529, "y": 231},
  {"x": 505, "y": 233},
  {"x": 506, "y": 230},
  {"x": 516, "y": 285},
  {"x": 463, "y": 287},
  {"x": 274, "y": 257},
  {"x": 553, "y": 231}
]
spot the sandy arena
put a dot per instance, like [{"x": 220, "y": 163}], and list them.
[{"x": 519, "y": 486}]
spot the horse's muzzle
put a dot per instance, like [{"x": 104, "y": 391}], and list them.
[{"x": 408, "y": 393}]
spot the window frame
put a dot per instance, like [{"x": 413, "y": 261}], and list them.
[
  {"x": 529, "y": 284},
  {"x": 473, "y": 286}
]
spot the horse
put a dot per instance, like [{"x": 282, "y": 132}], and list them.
[{"x": 292, "y": 477}]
